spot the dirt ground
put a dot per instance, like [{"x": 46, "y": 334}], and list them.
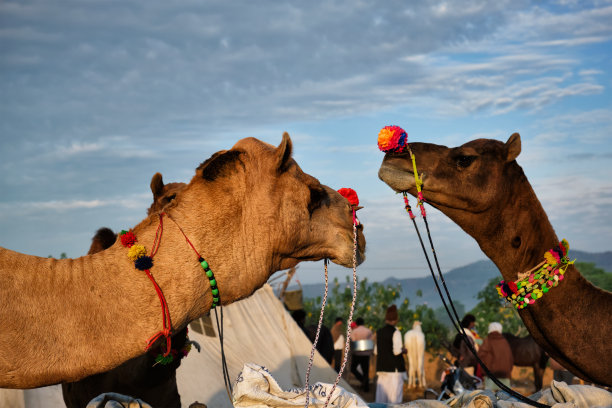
[{"x": 522, "y": 380}]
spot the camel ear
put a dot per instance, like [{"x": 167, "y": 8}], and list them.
[
  {"x": 157, "y": 185},
  {"x": 513, "y": 147},
  {"x": 283, "y": 152}
]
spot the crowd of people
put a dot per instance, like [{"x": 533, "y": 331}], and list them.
[{"x": 389, "y": 349}]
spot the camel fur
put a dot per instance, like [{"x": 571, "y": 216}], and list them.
[
  {"x": 481, "y": 187},
  {"x": 139, "y": 377},
  {"x": 250, "y": 211}
]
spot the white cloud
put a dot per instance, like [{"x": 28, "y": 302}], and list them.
[
  {"x": 53, "y": 205},
  {"x": 24, "y": 209},
  {"x": 100, "y": 90},
  {"x": 78, "y": 147}
]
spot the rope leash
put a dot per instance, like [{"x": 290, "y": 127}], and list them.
[
  {"x": 347, "y": 343},
  {"x": 316, "y": 340},
  {"x": 348, "y": 324}
]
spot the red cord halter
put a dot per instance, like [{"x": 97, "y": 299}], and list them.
[{"x": 167, "y": 324}]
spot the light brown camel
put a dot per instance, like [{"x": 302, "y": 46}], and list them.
[
  {"x": 480, "y": 186},
  {"x": 250, "y": 211}
]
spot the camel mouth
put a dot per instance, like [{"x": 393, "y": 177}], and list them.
[
  {"x": 396, "y": 178},
  {"x": 346, "y": 257}
]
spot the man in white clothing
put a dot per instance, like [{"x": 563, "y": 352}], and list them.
[{"x": 390, "y": 365}]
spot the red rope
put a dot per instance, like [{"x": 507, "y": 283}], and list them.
[
  {"x": 158, "y": 234},
  {"x": 186, "y": 239},
  {"x": 167, "y": 324}
]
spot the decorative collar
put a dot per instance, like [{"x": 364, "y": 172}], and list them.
[
  {"x": 138, "y": 254},
  {"x": 532, "y": 285}
]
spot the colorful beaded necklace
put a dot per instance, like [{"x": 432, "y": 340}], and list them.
[
  {"x": 532, "y": 285},
  {"x": 138, "y": 254}
]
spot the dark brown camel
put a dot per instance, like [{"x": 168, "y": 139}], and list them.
[
  {"x": 481, "y": 187},
  {"x": 139, "y": 377},
  {"x": 525, "y": 351}
]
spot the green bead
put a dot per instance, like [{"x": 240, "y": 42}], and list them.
[
  {"x": 215, "y": 299},
  {"x": 209, "y": 273},
  {"x": 215, "y": 292},
  {"x": 204, "y": 264},
  {"x": 213, "y": 282},
  {"x": 545, "y": 290}
]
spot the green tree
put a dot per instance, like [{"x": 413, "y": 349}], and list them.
[
  {"x": 442, "y": 315},
  {"x": 371, "y": 304},
  {"x": 492, "y": 308},
  {"x": 595, "y": 275}
]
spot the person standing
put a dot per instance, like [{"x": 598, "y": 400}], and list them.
[
  {"x": 360, "y": 359},
  {"x": 390, "y": 365},
  {"x": 325, "y": 345},
  {"x": 461, "y": 351},
  {"x": 496, "y": 354},
  {"x": 337, "y": 332}
]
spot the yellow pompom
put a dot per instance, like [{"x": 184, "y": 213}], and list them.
[
  {"x": 136, "y": 251},
  {"x": 550, "y": 259}
]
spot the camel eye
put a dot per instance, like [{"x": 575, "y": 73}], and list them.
[
  {"x": 318, "y": 196},
  {"x": 465, "y": 161}
]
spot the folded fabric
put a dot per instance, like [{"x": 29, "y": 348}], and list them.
[
  {"x": 559, "y": 395},
  {"x": 256, "y": 388}
]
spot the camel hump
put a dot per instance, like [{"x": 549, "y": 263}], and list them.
[{"x": 513, "y": 147}]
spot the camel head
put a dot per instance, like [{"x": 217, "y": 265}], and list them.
[
  {"x": 465, "y": 179},
  {"x": 163, "y": 194},
  {"x": 255, "y": 201}
]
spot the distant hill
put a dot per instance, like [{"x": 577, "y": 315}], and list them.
[{"x": 463, "y": 283}]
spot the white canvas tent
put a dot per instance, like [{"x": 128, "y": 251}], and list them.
[{"x": 256, "y": 330}]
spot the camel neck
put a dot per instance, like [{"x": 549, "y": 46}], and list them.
[
  {"x": 515, "y": 235},
  {"x": 516, "y": 232},
  {"x": 123, "y": 308}
]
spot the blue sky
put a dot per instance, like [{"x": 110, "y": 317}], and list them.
[{"x": 97, "y": 96}]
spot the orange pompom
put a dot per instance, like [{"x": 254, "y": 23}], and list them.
[{"x": 392, "y": 139}]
